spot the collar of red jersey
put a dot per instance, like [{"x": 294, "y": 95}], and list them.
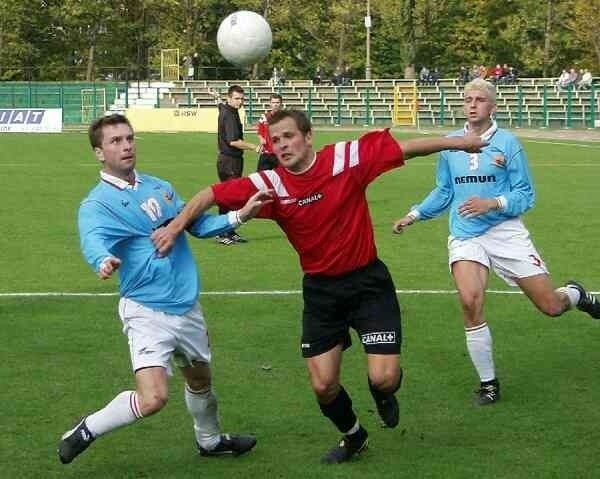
[
  {"x": 487, "y": 134},
  {"x": 119, "y": 182},
  {"x": 305, "y": 169}
]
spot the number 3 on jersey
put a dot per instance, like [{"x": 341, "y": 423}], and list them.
[
  {"x": 473, "y": 161},
  {"x": 152, "y": 208}
]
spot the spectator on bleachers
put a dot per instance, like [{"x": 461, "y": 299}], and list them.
[
  {"x": 585, "y": 82},
  {"x": 464, "y": 76},
  {"x": 563, "y": 79},
  {"x": 336, "y": 80},
  {"x": 483, "y": 72},
  {"x": 318, "y": 78},
  {"x": 188, "y": 69},
  {"x": 282, "y": 77},
  {"x": 573, "y": 77},
  {"x": 434, "y": 76},
  {"x": 511, "y": 77},
  {"x": 497, "y": 74},
  {"x": 424, "y": 76},
  {"x": 347, "y": 76},
  {"x": 474, "y": 73},
  {"x": 275, "y": 77},
  {"x": 571, "y": 81}
]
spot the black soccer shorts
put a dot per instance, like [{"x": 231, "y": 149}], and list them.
[
  {"x": 229, "y": 167},
  {"x": 364, "y": 299}
]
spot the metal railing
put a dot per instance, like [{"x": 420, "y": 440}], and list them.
[
  {"x": 78, "y": 100},
  {"x": 535, "y": 106}
]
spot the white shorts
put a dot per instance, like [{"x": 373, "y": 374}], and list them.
[
  {"x": 155, "y": 337},
  {"x": 506, "y": 248}
]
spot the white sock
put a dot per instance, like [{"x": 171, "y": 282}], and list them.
[
  {"x": 479, "y": 345},
  {"x": 203, "y": 408},
  {"x": 123, "y": 410},
  {"x": 572, "y": 293}
]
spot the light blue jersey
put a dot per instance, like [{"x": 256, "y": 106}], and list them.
[
  {"x": 117, "y": 219},
  {"x": 499, "y": 171}
]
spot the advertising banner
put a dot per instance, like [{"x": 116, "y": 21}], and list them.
[
  {"x": 175, "y": 119},
  {"x": 30, "y": 120}
]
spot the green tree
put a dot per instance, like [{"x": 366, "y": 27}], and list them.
[
  {"x": 27, "y": 38},
  {"x": 51, "y": 39},
  {"x": 584, "y": 27}
]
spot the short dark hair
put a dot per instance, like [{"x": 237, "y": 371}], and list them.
[
  {"x": 299, "y": 117},
  {"x": 276, "y": 96},
  {"x": 236, "y": 89},
  {"x": 95, "y": 129}
]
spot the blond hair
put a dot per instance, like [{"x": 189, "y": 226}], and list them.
[{"x": 483, "y": 86}]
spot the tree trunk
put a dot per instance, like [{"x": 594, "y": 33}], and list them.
[
  {"x": 595, "y": 43},
  {"x": 90, "y": 64},
  {"x": 547, "y": 36},
  {"x": 189, "y": 22},
  {"x": 408, "y": 22},
  {"x": 341, "y": 46}
]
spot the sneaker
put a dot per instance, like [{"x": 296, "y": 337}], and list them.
[
  {"x": 488, "y": 393},
  {"x": 224, "y": 240},
  {"x": 388, "y": 410},
  {"x": 230, "y": 446},
  {"x": 74, "y": 442},
  {"x": 238, "y": 239},
  {"x": 348, "y": 447},
  {"x": 587, "y": 302}
]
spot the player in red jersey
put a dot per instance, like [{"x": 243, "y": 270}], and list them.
[
  {"x": 317, "y": 197},
  {"x": 267, "y": 159}
]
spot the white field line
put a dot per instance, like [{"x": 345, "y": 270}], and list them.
[
  {"x": 50, "y": 294},
  {"x": 550, "y": 142},
  {"x": 536, "y": 165}
]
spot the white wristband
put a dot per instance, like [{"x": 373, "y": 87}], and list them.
[
  {"x": 103, "y": 263},
  {"x": 237, "y": 217},
  {"x": 413, "y": 215},
  {"x": 234, "y": 218},
  {"x": 502, "y": 202}
]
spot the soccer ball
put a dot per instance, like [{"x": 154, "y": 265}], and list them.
[{"x": 244, "y": 38}]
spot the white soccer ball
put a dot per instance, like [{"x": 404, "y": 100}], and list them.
[{"x": 244, "y": 38}]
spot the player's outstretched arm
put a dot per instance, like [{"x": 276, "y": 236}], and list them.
[
  {"x": 208, "y": 225},
  {"x": 426, "y": 146},
  {"x": 164, "y": 238},
  {"x": 254, "y": 205}
]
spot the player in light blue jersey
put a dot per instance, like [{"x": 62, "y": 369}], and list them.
[
  {"x": 159, "y": 295},
  {"x": 486, "y": 193}
]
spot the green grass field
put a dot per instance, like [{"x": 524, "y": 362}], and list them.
[{"x": 65, "y": 356}]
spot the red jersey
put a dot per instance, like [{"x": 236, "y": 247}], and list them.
[
  {"x": 323, "y": 211},
  {"x": 263, "y": 132}
]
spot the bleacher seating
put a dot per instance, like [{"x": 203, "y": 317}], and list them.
[{"x": 534, "y": 102}]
